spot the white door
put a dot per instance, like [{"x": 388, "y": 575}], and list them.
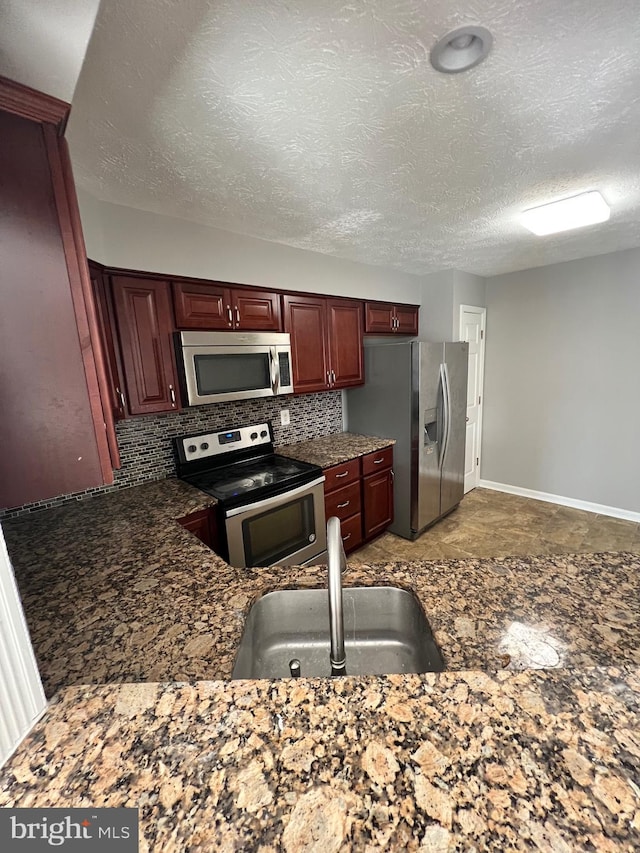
[
  {"x": 472, "y": 327},
  {"x": 22, "y": 699}
]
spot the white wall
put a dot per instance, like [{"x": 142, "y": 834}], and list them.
[
  {"x": 562, "y": 384},
  {"x": 134, "y": 239},
  {"x": 468, "y": 289},
  {"x": 442, "y": 295},
  {"x": 436, "y": 306}
]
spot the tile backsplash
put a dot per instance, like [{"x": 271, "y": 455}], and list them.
[{"x": 146, "y": 449}]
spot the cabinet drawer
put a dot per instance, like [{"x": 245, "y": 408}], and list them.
[
  {"x": 351, "y": 532},
  {"x": 341, "y": 475},
  {"x": 343, "y": 502},
  {"x": 378, "y": 461}
]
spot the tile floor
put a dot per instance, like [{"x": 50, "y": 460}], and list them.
[{"x": 495, "y": 524}]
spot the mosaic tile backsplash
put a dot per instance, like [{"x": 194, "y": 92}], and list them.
[{"x": 145, "y": 442}]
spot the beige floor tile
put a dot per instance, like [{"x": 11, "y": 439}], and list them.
[{"x": 496, "y": 524}]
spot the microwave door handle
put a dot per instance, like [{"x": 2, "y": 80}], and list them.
[{"x": 275, "y": 369}]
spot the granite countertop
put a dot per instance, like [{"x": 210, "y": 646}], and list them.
[
  {"x": 492, "y": 753},
  {"x": 539, "y": 760},
  {"x": 331, "y": 450}
]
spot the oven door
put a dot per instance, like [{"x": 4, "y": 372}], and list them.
[{"x": 285, "y": 530}]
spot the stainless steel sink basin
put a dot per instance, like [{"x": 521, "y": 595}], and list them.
[{"x": 385, "y": 632}]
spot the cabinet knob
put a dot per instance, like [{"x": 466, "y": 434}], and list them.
[{"x": 172, "y": 395}]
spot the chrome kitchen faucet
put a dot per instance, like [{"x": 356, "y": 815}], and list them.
[{"x": 337, "y": 564}]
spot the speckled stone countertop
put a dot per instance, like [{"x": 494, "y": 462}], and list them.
[
  {"x": 115, "y": 590},
  {"x": 333, "y": 449},
  {"x": 540, "y": 760},
  {"x": 489, "y": 755}
]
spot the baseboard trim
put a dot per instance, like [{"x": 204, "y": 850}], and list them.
[{"x": 600, "y": 509}]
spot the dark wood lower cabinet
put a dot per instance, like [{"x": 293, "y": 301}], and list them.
[
  {"x": 203, "y": 525},
  {"x": 360, "y": 494},
  {"x": 377, "y": 501}
]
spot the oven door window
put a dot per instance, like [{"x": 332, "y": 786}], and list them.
[
  {"x": 276, "y": 533},
  {"x": 224, "y": 373}
]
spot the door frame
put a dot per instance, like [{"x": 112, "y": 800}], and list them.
[
  {"x": 482, "y": 312},
  {"x": 22, "y": 699}
]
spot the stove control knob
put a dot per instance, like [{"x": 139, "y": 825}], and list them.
[
  {"x": 254, "y": 435},
  {"x": 204, "y": 446},
  {"x": 263, "y": 434},
  {"x": 192, "y": 448}
]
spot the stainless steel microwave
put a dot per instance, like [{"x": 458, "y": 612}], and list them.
[{"x": 219, "y": 366}]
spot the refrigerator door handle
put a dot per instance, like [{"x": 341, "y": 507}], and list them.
[{"x": 446, "y": 412}]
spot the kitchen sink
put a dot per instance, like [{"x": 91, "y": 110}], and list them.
[{"x": 384, "y": 627}]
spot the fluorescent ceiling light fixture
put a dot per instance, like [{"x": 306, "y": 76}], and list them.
[{"x": 575, "y": 212}]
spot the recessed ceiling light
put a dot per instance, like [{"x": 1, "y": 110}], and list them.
[
  {"x": 575, "y": 212},
  {"x": 461, "y": 49}
]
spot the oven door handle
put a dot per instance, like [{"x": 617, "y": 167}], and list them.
[
  {"x": 275, "y": 369},
  {"x": 274, "y": 499}
]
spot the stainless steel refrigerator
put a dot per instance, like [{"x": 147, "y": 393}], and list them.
[{"x": 416, "y": 392}]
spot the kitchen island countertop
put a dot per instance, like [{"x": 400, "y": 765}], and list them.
[{"x": 492, "y": 752}]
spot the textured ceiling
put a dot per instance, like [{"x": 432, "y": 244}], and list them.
[
  {"x": 43, "y": 42},
  {"x": 322, "y": 124}
]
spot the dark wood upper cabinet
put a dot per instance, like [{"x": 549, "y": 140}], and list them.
[
  {"x": 106, "y": 324},
  {"x": 406, "y": 319},
  {"x": 53, "y": 426},
  {"x": 378, "y": 318},
  {"x": 305, "y": 318},
  {"x": 145, "y": 323},
  {"x": 212, "y": 305},
  {"x": 382, "y": 318},
  {"x": 256, "y": 310},
  {"x": 326, "y": 342},
  {"x": 344, "y": 329},
  {"x": 201, "y": 306}
]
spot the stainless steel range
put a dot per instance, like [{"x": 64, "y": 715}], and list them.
[{"x": 270, "y": 508}]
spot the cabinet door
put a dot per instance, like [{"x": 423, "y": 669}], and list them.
[
  {"x": 406, "y": 320},
  {"x": 202, "y": 306},
  {"x": 305, "y": 320},
  {"x": 378, "y": 318},
  {"x": 143, "y": 314},
  {"x": 345, "y": 342},
  {"x": 106, "y": 322},
  {"x": 377, "y": 498},
  {"x": 256, "y": 311},
  {"x": 199, "y": 524},
  {"x": 48, "y": 435}
]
